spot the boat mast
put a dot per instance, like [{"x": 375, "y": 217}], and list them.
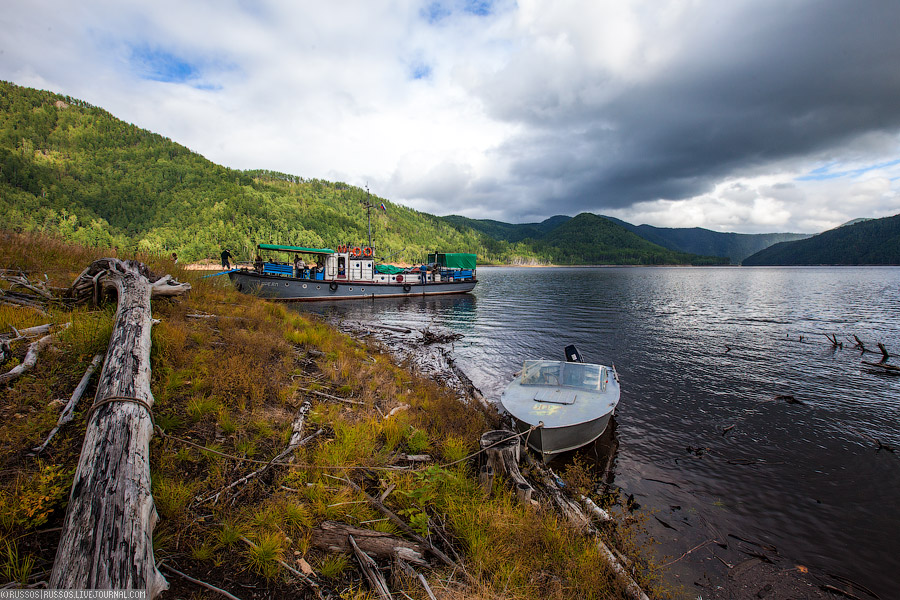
[{"x": 368, "y": 206}]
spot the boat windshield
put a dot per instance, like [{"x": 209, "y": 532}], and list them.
[{"x": 576, "y": 375}]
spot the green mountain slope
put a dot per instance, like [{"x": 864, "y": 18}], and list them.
[
  {"x": 508, "y": 232},
  {"x": 71, "y": 168},
  {"x": 736, "y": 246},
  {"x": 870, "y": 242},
  {"x": 591, "y": 239}
]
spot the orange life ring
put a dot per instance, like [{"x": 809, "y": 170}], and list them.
[
  {"x": 357, "y": 251},
  {"x": 367, "y": 252},
  {"x": 342, "y": 248}
]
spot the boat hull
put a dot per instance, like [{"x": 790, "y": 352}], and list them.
[
  {"x": 290, "y": 289},
  {"x": 549, "y": 441}
]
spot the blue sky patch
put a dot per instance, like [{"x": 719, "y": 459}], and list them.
[
  {"x": 824, "y": 172},
  {"x": 439, "y": 10},
  {"x": 159, "y": 65},
  {"x": 420, "y": 71}
]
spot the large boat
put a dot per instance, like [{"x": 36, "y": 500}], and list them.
[
  {"x": 351, "y": 273},
  {"x": 562, "y": 405}
]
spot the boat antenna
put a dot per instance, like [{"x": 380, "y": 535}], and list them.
[{"x": 368, "y": 206}]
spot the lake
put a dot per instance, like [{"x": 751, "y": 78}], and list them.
[{"x": 699, "y": 350}]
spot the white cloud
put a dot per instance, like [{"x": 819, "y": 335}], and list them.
[{"x": 670, "y": 113}]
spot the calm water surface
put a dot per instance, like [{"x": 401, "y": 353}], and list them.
[{"x": 698, "y": 350}]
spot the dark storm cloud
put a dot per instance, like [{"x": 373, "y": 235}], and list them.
[{"x": 750, "y": 88}]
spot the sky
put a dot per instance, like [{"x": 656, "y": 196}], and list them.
[{"x": 742, "y": 115}]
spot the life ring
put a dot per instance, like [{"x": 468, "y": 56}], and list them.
[
  {"x": 399, "y": 278},
  {"x": 357, "y": 251},
  {"x": 367, "y": 252},
  {"x": 333, "y": 286},
  {"x": 406, "y": 287}
]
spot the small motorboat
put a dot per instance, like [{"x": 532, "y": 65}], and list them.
[{"x": 569, "y": 403}]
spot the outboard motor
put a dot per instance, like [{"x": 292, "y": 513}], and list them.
[{"x": 573, "y": 355}]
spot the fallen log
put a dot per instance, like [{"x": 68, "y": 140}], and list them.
[
  {"x": 107, "y": 536},
  {"x": 332, "y": 536}
]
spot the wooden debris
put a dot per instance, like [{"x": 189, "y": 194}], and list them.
[
  {"x": 883, "y": 368},
  {"x": 68, "y": 412},
  {"x": 370, "y": 570},
  {"x": 407, "y": 570},
  {"x": 294, "y": 443},
  {"x": 208, "y": 586},
  {"x": 31, "y": 356},
  {"x": 834, "y": 341},
  {"x": 330, "y": 397},
  {"x": 502, "y": 451},
  {"x": 332, "y": 536},
  {"x": 106, "y": 540},
  {"x": 409, "y": 530},
  {"x": 433, "y": 337}
]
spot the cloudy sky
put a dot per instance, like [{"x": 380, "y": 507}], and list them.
[{"x": 738, "y": 115}]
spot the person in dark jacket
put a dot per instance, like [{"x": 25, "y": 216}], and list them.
[{"x": 225, "y": 256}]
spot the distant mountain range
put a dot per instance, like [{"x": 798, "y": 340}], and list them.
[
  {"x": 864, "y": 242},
  {"x": 695, "y": 240}
]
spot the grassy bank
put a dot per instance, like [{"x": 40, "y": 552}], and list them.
[{"x": 226, "y": 389}]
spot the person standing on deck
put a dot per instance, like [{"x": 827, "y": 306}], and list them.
[{"x": 225, "y": 256}]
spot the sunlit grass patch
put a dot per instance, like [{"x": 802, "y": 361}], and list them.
[{"x": 264, "y": 556}]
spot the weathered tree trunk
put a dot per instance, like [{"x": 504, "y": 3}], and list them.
[{"x": 107, "y": 536}]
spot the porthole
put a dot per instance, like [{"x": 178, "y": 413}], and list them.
[
  {"x": 351, "y": 289},
  {"x": 318, "y": 287},
  {"x": 286, "y": 284},
  {"x": 304, "y": 286},
  {"x": 362, "y": 289}
]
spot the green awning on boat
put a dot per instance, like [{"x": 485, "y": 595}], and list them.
[
  {"x": 295, "y": 249},
  {"x": 389, "y": 269},
  {"x": 456, "y": 260}
]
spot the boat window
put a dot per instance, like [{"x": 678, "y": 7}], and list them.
[{"x": 566, "y": 374}]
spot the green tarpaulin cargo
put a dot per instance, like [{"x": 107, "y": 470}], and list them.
[{"x": 456, "y": 260}]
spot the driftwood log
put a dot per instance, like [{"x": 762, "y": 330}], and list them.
[
  {"x": 332, "y": 536},
  {"x": 107, "y": 535}
]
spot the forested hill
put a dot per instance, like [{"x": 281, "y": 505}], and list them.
[
  {"x": 509, "y": 232},
  {"x": 736, "y": 246},
  {"x": 71, "y": 168},
  {"x": 870, "y": 242},
  {"x": 591, "y": 239}
]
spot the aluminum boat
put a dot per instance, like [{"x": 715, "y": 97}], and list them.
[{"x": 569, "y": 403}]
